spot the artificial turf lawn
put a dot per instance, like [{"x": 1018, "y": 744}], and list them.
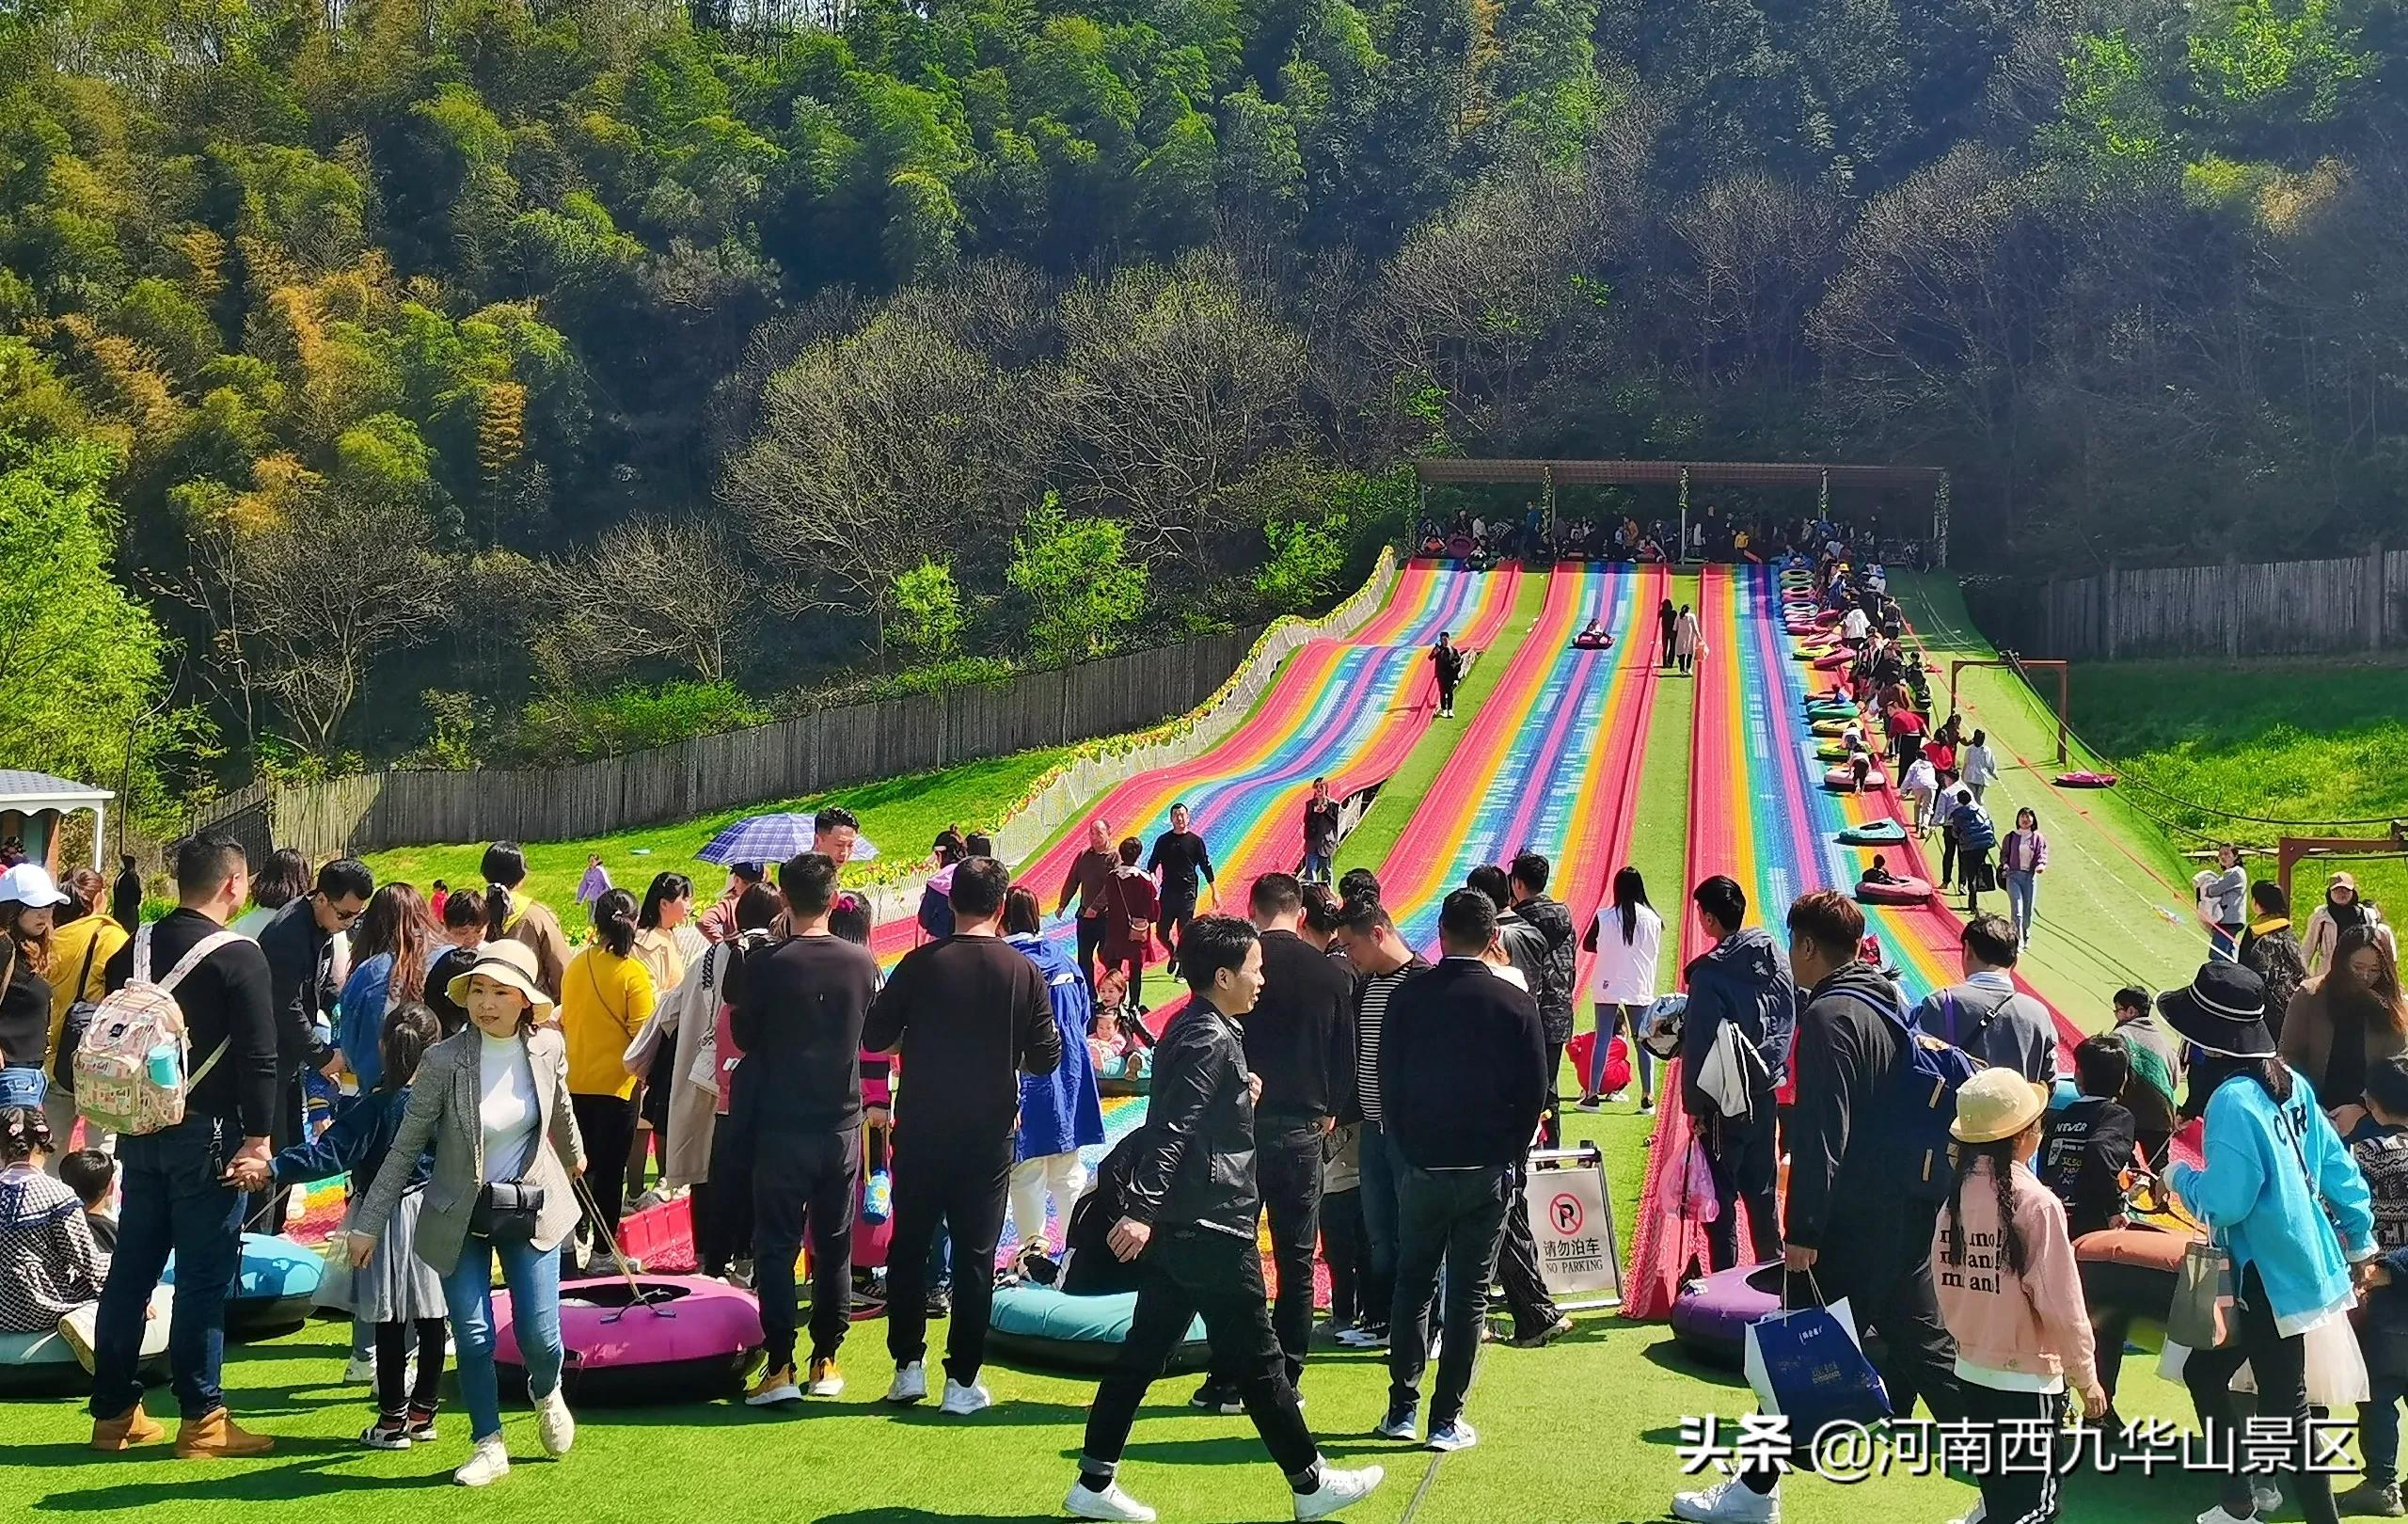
[
  {"x": 2115, "y": 906},
  {"x": 1582, "y": 1431},
  {"x": 901, "y": 815}
]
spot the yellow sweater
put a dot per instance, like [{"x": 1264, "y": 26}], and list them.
[
  {"x": 68, "y": 945},
  {"x": 605, "y": 1000}
]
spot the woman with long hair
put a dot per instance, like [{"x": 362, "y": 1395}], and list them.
[
  {"x": 1627, "y": 936},
  {"x": 491, "y": 1103},
  {"x": 28, "y": 904},
  {"x": 512, "y": 914},
  {"x": 607, "y": 996},
  {"x": 388, "y": 968},
  {"x": 2023, "y": 857},
  {"x": 283, "y": 879},
  {"x": 661, "y": 921},
  {"x": 2345, "y": 1020},
  {"x": 83, "y": 940},
  {"x": 2282, "y": 1194}
]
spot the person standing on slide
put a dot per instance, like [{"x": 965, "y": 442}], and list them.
[
  {"x": 1687, "y": 638},
  {"x": 1667, "y": 617},
  {"x": 1181, "y": 857},
  {"x": 1448, "y": 658},
  {"x": 1320, "y": 834}
]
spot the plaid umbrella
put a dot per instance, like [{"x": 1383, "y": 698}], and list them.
[{"x": 772, "y": 838}]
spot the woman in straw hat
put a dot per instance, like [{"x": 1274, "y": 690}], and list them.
[
  {"x": 2285, "y": 1199},
  {"x": 2009, "y": 1290},
  {"x": 491, "y": 1102}
]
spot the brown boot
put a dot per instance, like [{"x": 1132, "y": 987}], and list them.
[
  {"x": 128, "y": 1429},
  {"x": 215, "y": 1433}
]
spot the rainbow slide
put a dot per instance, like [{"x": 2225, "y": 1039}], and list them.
[{"x": 1550, "y": 762}]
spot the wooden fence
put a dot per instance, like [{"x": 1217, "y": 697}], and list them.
[
  {"x": 808, "y": 754},
  {"x": 2357, "y": 603}
]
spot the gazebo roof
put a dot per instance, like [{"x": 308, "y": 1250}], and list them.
[{"x": 29, "y": 791}]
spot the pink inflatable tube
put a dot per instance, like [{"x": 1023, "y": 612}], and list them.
[
  {"x": 686, "y": 1336},
  {"x": 1905, "y": 891}
]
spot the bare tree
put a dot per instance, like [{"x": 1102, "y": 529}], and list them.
[
  {"x": 873, "y": 449},
  {"x": 1173, "y": 384},
  {"x": 649, "y": 590}
]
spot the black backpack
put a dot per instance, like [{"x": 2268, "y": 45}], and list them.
[
  {"x": 1090, "y": 1268},
  {"x": 79, "y": 1020}
]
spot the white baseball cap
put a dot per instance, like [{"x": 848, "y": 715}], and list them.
[{"x": 29, "y": 884}]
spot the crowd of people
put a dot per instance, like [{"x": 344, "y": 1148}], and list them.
[
  {"x": 487, "y": 1083},
  {"x": 1481, "y": 541}
]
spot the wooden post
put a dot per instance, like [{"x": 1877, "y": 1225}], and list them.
[
  {"x": 2370, "y": 599},
  {"x": 2231, "y": 621}
]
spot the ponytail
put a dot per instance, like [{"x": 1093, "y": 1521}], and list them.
[
  {"x": 497, "y": 911},
  {"x": 614, "y": 921}
]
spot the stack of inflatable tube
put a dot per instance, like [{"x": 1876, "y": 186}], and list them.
[
  {"x": 44, "y": 1364},
  {"x": 1843, "y": 778},
  {"x": 1828, "y": 727},
  {"x": 273, "y": 1290},
  {"x": 1038, "y": 1326},
  {"x": 668, "y": 1339}
]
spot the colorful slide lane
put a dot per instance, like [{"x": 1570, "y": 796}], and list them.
[
  {"x": 1347, "y": 709},
  {"x": 1759, "y": 813},
  {"x": 1551, "y": 761}
]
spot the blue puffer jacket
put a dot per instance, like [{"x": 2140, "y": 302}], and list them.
[
  {"x": 1742, "y": 978},
  {"x": 2271, "y": 1173},
  {"x": 1060, "y": 1112}
]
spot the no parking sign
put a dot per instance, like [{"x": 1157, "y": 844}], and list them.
[{"x": 1580, "y": 1258}]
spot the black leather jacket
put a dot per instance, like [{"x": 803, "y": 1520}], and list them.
[{"x": 1195, "y": 1164}]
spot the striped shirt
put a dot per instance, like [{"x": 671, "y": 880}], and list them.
[{"x": 1371, "y": 1015}]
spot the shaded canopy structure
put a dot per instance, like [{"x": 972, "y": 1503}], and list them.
[
  {"x": 32, "y": 804},
  {"x": 1823, "y": 476}
]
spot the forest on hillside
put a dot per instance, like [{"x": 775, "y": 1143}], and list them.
[{"x": 482, "y": 380}]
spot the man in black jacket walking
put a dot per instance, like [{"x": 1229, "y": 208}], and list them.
[
  {"x": 1552, "y": 989},
  {"x": 1850, "y": 1222},
  {"x": 1189, "y": 1218},
  {"x": 1462, "y": 1088},
  {"x": 1185, "y": 864},
  {"x": 798, "y": 1019},
  {"x": 1299, "y": 1043}
]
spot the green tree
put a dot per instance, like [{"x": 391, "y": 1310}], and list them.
[
  {"x": 927, "y": 611},
  {"x": 1303, "y": 565},
  {"x": 1079, "y": 580}
]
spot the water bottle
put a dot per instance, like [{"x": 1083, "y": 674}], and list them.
[{"x": 163, "y": 1063}]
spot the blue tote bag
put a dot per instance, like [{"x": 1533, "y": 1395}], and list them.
[{"x": 1807, "y": 1364}]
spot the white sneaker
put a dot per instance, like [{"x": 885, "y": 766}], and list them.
[
  {"x": 1111, "y": 1503},
  {"x": 486, "y": 1464},
  {"x": 2265, "y": 1494},
  {"x": 1338, "y": 1489},
  {"x": 1732, "y": 1502},
  {"x": 961, "y": 1401},
  {"x": 2218, "y": 1516},
  {"x": 1452, "y": 1437},
  {"x": 911, "y": 1384},
  {"x": 357, "y": 1372},
  {"x": 554, "y": 1425}
]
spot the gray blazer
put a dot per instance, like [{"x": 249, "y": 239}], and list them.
[{"x": 443, "y": 1110}]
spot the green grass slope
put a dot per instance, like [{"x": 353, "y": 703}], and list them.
[
  {"x": 901, "y": 815},
  {"x": 2114, "y": 907}
]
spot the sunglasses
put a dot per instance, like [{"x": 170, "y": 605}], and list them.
[{"x": 345, "y": 917}]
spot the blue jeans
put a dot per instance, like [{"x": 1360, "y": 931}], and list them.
[
  {"x": 2022, "y": 890},
  {"x": 533, "y": 1276},
  {"x": 1316, "y": 869},
  {"x": 176, "y": 1200},
  {"x": 2379, "y": 1427}
]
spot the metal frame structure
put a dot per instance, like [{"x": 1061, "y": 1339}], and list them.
[
  {"x": 1548, "y": 474},
  {"x": 2023, "y": 666},
  {"x": 2289, "y": 851}
]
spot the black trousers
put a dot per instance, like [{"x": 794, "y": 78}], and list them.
[
  {"x": 1343, "y": 1248},
  {"x": 1551, "y": 1123},
  {"x": 393, "y": 1403},
  {"x": 1518, "y": 1266},
  {"x": 607, "y": 1124},
  {"x": 1743, "y": 1161},
  {"x": 1879, "y": 1262},
  {"x": 965, "y": 1183},
  {"x": 1170, "y": 921},
  {"x": 1186, "y": 1272},
  {"x": 1975, "y": 862},
  {"x": 1287, "y": 1157},
  {"x": 2281, "y": 1366},
  {"x": 804, "y": 1180},
  {"x": 1446, "y": 695},
  {"x": 1090, "y": 936},
  {"x": 1453, "y": 1219},
  {"x": 2020, "y": 1484},
  {"x": 1377, "y": 1197}
]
